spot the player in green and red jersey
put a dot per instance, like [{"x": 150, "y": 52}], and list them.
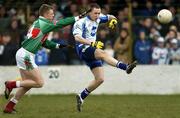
[{"x": 35, "y": 39}]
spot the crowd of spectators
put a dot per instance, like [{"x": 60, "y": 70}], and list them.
[{"x": 138, "y": 35}]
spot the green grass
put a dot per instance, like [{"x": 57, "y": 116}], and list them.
[{"x": 97, "y": 106}]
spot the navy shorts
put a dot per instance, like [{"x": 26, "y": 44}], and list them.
[{"x": 87, "y": 55}]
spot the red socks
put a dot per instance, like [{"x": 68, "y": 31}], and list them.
[
  {"x": 10, "y": 106},
  {"x": 11, "y": 84}
]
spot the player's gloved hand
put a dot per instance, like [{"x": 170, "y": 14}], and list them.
[
  {"x": 97, "y": 44},
  {"x": 112, "y": 23},
  {"x": 62, "y": 45}
]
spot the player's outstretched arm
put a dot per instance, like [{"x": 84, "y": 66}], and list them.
[
  {"x": 70, "y": 20},
  {"x": 51, "y": 45},
  {"x": 50, "y": 26}
]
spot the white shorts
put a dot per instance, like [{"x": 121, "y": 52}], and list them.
[{"x": 25, "y": 59}]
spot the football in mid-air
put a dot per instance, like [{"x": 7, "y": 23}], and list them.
[{"x": 164, "y": 16}]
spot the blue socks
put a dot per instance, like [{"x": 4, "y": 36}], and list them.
[
  {"x": 84, "y": 93},
  {"x": 121, "y": 65}
]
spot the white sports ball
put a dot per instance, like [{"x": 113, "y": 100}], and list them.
[{"x": 164, "y": 16}]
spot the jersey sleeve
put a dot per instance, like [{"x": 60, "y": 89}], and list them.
[
  {"x": 78, "y": 28},
  {"x": 103, "y": 18},
  {"x": 50, "y": 26},
  {"x": 49, "y": 44},
  {"x": 64, "y": 22}
]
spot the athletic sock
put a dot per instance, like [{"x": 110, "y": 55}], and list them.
[
  {"x": 11, "y": 104},
  {"x": 84, "y": 93},
  {"x": 13, "y": 84},
  {"x": 121, "y": 65}
]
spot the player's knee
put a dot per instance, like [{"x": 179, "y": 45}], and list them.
[
  {"x": 40, "y": 84},
  {"x": 101, "y": 54},
  {"x": 100, "y": 80}
]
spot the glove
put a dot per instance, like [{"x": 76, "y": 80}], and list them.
[
  {"x": 112, "y": 23},
  {"x": 64, "y": 45},
  {"x": 61, "y": 45},
  {"x": 97, "y": 44}
]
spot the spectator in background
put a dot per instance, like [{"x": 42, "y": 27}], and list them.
[
  {"x": 170, "y": 35},
  {"x": 21, "y": 16},
  {"x": 167, "y": 3},
  {"x": 109, "y": 48},
  {"x": 107, "y": 8},
  {"x": 41, "y": 57},
  {"x": 74, "y": 9},
  {"x": 3, "y": 13},
  {"x": 147, "y": 24},
  {"x": 103, "y": 35},
  {"x": 135, "y": 5},
  {"x": 174, "y": 28},
  {"x": 174, "y": 52},
  {"x": 58, "y": 56},
  {"x": 154, "y": 35},
  {"x": 31, "y": 19},
  {"x": 126, "y": 12},
  {"x": 4, "y": 18},
  {"x": 7, "y": 50},
  {"x": 157, "y": 25},
  {"x": 120, "y": 18},
  {"x": 149, "y": 10},
  {"x": 160, "y": 52},
  {"x": 57, "y": 13},
  {"x": 125, "y": 24},
  {"x": 122, "y": 47},
  {"x": 84, "y": 5},
  {"x": 15, "y": 32},
  {"x": 142, "y": 49},
  {"x": 66, "y": 11},
  {"x": 144, "y": 24}
]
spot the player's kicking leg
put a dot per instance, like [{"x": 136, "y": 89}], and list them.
[
  {"x": 101, "y": 54},
  {"x": 130, "y": 67}
]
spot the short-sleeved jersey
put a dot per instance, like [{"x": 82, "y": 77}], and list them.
[
  {"x": 38, "y": 33},
  {"x": 87, "y": 28}
]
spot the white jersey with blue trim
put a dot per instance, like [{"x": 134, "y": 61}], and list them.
[{"x": 87, "y": 28}]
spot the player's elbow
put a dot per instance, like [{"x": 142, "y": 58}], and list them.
[{"x": 77, "y": 37}]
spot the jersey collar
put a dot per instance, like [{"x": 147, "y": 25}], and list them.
[
  {"x": 44, "y": 19},
  {"x": 89, "y": 18}
]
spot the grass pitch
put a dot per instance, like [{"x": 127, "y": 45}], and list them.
[{"x": 96, "y": 106}]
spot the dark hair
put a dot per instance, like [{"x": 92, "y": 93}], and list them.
[
  {"x": 94, "y": 5},
  {"x": 44, "y": 8},
  {"x": 175, "y": 32}
]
